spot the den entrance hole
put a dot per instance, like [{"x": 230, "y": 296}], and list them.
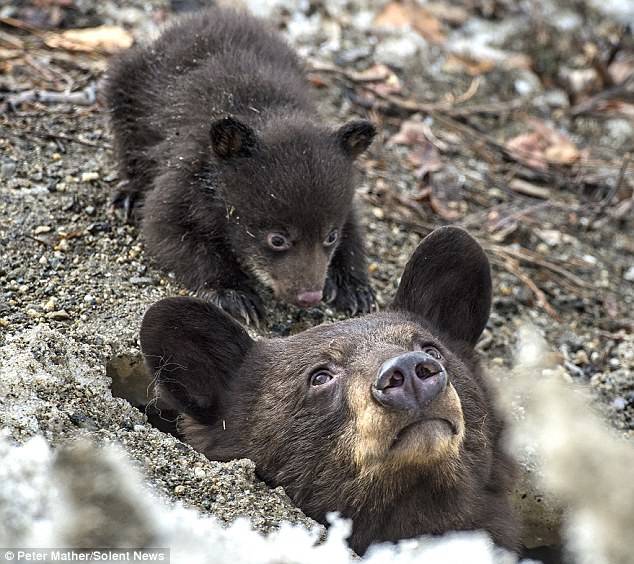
[{"x": 132, "y": 382}]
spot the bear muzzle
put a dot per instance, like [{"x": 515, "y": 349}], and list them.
[{"x": 409, "y": 383}]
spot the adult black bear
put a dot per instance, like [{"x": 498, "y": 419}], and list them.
[{"x": 386, "y": 418}]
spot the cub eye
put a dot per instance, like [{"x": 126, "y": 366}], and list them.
[
  {"x": 433, "y": 352},
  {"x": 278, "y": 242},
  {"x": 332, "y": 238},
  {"x": 320, "y": 378}
]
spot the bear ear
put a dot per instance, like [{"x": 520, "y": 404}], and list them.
[
  {"x": 355, "y": 137},
  {"x": 447, "y": 281},
  {"x": 193, "y": 349},
  {"x": 232, "y": 138}
]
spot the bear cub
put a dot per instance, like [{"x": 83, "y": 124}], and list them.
[
  {"x": 386, "y": 418},
  {"x": 238, "y": 179}
]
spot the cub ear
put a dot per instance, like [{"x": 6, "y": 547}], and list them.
[
  {"x": 193, "y": 349},
  {"x": 447, "y": 281},
  {"x": 355, "y": 137},
  {"x": 232, "y": 138}
]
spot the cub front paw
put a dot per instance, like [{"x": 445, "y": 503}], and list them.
[
  {"x": 245, "y": 306},
  {"x": 349, "y": 295}
]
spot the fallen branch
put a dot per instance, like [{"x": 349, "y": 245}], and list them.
[
  {"x": 85, "y": 97},
  {"x": 412, "y": 106},
  {"x": 528, "y": 256},
  {"x": 513, "y": 268}
]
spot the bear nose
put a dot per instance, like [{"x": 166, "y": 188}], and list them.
[
  {"x": 409, "y": 382},
  {"x": 307, "y": 299}
]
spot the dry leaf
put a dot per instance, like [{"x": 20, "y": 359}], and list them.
[
  {"x": 107, "y": 38},
  {"x": 542, "y": 146},
  {"x": 411, "y": 133},
  {"x": 410, "y": 14},
  {"x": 383, "y": 78},
  {"x": 423, "y": 155},
  {"x": 426, "y": 158},
  {"x": 529, "y": 149},
  {"x": 456, "y": 63},
  {"x": 453, "y": 15},
  {"x": 562, "y": 152},
  {"x": 445, "y": 212}
]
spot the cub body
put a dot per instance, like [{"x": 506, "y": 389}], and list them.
[
  {"x": 385, "y": 418},
  {"x": 239, "y": 181}
]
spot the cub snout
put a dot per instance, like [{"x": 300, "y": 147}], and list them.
[
  {"x": 409, "y": 382},
  {"x": 308, "y": 298}
]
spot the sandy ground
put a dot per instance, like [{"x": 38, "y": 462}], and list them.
[{"x": 74, "y": 279}]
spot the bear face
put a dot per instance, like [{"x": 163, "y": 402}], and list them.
[
  {"x": 286, "y": 213},
  {"x": 385, "y": 418}
]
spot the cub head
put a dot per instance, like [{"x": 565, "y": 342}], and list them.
[
  {"x": 288, "y": 191},
  {"x": 362, "y": 416}
]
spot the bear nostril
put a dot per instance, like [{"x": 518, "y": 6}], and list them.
[
  {"x": 427, "y": 369},
  {"x": 396, "y": 380}
]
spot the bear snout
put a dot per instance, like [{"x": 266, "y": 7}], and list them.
[
  {"x": 409, "y": 382},
  {"x": 308, "y": 298}
]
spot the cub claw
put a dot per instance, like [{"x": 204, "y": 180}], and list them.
[
  {"x": 244, "y": 306},
  {"x": 125, "y": 200},
  {"x": 349, "y": 295}
]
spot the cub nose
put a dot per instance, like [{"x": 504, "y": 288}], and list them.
[
  {"x": 307, "y": 299},
  {"x": 409, "y": 382}
]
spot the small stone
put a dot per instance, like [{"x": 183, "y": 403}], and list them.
[
  {"x": 556, "y": 98},
  {"x": 43, "y": 260},
  {"x": 4, "y": 322},
  {"x": 619, "y": 403},
  {"x": 373, "y": 267},
  {"x": 89, "y": 176},
  {"x": 378, "y": 213},
  {"x": 60, "y": 315},
  {"x": 179, "y": 490},
  {"x": 614, "y": 362},
  {"x": 141, "y": 280},
  {"x": 90, "y": 210},
  {"x": 50, "y": 305},
  {"x": 89, "y": 299},
  {"x": 590, "y": 259},
  {"x": 552, "y": 237},
  {"x": 8, "y": 169},
  {"x": 139, "y": 428},
  {"x": 629, "y": 274},
  {"x": 62, "y": 246},
  {"x": 42, "y": 229},
  {"x": 199, "y": 473},
  {"x": 581, "y": 357}
]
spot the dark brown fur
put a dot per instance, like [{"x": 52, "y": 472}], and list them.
[
  {"x": 332, "y": 447},
  {"x": 216, "y": 132}
]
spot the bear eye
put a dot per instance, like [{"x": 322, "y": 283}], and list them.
[
  {"x": 332, "y": 238},
  {"x": 278, "y": 242},
  {"x": 433, "y": 352},
  {"x": 320, "y": 378}
]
